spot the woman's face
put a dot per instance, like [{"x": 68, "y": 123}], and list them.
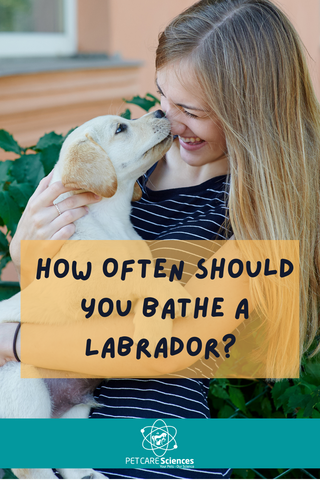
[{"x": 202, "y": 140}]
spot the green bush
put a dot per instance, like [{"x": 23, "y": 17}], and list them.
[{"x": 19, "y": 178}]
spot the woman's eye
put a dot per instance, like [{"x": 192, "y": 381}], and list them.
[
  {"x": 190, "y": 114},
  {"x": 121, "y": 128}
]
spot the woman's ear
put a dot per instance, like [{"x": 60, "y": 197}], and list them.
[{"x": 86, "y": 166}]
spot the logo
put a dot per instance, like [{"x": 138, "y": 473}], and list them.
[{"x": 159, "y": 438}]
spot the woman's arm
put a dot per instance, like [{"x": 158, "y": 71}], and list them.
[
  {"x": 41, "y": 221},
  {"x": 63, "y": 347},
  {"x": 7, "y": 331}
]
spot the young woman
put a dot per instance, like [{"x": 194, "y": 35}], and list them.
[{"x": 235, "y": 86}]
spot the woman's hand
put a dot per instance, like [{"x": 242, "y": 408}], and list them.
[
  {"x": 41, "y": 220},
  {"x": 7, "y": 331}
]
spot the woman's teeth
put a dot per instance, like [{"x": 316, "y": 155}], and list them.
[{"x": 191, "y": 140}]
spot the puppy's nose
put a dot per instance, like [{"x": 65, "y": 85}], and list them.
[{"x": 159, "y": 114}]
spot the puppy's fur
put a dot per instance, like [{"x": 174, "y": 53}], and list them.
[{"x": 105, "y": 156}]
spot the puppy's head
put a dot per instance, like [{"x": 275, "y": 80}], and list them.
[{"x": 110, "y": 151}]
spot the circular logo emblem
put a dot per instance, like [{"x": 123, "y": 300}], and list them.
[{"x": 159, "y": 438}]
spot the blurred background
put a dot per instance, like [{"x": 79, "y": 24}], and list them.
[{"x": 63, "y": 62}]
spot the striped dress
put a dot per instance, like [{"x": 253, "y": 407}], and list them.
[{"x": 191, "y": 213}]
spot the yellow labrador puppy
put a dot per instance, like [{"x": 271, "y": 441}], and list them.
[{"x": 105, "y": 156}]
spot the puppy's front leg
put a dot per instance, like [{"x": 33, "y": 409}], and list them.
[
  {"x": 35, "y": 473},
  {"x": 10, "y": 309}
]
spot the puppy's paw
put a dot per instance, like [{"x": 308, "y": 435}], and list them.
[{"x": 39, "y": 473}]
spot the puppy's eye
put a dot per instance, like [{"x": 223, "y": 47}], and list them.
[{"x": 121, "y": 127}]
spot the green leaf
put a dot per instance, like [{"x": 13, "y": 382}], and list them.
[
  {"x": 8, "y": 143},
  {"x": 237, "y": 398},
  {"x": 225, "y": 412},
  {"x": 278, "y": 415},
  {"x": 266, "y": 407},
  {"x": 242, "y": 473},
  {"x": 28, "y": 169},
  {"x": 308, "y": 411},
  {"x": 259, "y": 388},
  {"x": 48, "y": 140},
  {"x": 284, "y": 399},
  {"x": 278, "y": 390},
  {"x": 126, "y": 114},
  {"x": 8, "y": 473},
  {"x": 216, "y": 391},
  {"x": 4, "y": 244},
  {"x": 145, "y": 103},
  {"x": 315, "y": 414},
  {"x": 300, "y": 413},
  {"x": 299, "y": 401},
  {"x": 5, "y": 170},
  {"x": 222, "y": 382},
  {"x": 9, "y": 211},
  {"x": 309, "y": 387},
  {"x": 312, "y": 372},
  {"x": 49, "y": 157},
  {"x": 21, "y": 192},
  {"x": 156, "y": 100}
]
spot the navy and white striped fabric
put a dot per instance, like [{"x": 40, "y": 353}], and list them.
[
  {"x": 166, "y": 474},
  {"x": 191, "y": 213}
]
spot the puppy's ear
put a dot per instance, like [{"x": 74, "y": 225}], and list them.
[
  {"x": 87, "y": 166},
  {"x": 137, "y": 192}
]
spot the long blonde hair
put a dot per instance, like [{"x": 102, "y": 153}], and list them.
[{"x": 250, "y": 65}]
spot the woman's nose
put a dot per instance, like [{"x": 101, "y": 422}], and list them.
[
  {"x": 173, "y": 115},
  {"x": 177, "y": 127}
]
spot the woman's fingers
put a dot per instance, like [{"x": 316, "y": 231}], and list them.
[
  {"x": 65, "y": 212},
  {"x": 42, "y": 220},
  {"x": 47, "y": 197},
  {"x": 76, "y": 201},
  {"x": 44, "y": 197},
  {"x": 67, "y": 217},
  {"x": 65, "y": 232},
  {"x": 48, "y": 222},
  {"x": 44, "y": 183},
  {"x": 42, "y": 211}
]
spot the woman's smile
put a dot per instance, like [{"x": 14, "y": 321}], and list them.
[{"x": 192, "y": 143}]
